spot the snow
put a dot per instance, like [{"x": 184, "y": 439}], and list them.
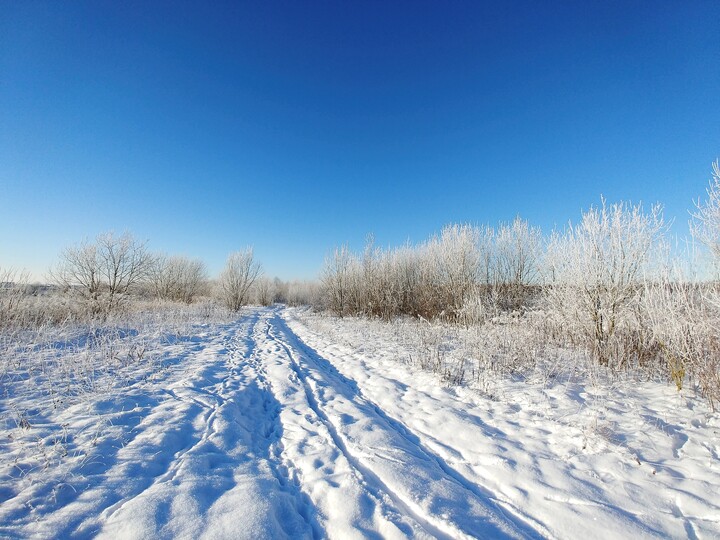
[{"x": 286, "y": 424}]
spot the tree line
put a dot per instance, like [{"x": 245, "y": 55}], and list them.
[
  {"x": 607, "y": 284},
  {"x": 95, "y": 278}
]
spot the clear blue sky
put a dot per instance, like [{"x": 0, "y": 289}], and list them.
[{"x": 297, "y": 126}]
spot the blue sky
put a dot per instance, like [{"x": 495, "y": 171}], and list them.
[{"x": 297, "y": 126}]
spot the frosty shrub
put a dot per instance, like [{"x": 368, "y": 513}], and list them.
[
  {"x": 20, "y": 306},
  {"x": 684, "y": 331},
  {"x": 13, "y": 287},
  {"x": 518, "y": 250},
  {"x": 105, "y": 271},
  {"x": 705, "y": 227},
  {"x": 336, "y": 280},
  {"x": 280, "y": 291},
  {"x": 453, "y": 269},
  {"x": 264, "y": 291},
  {"x": 464, "y": 274},
  {"x": 178, "y": 278},
  {"x": 241, "y": 271},
  {"x": 595, "y": 274},
  {"x": 706, "y": 220},
  {"x": 299, "y": 293}
]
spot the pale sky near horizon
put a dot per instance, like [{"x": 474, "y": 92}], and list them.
[{"x": 298, "y": 126}]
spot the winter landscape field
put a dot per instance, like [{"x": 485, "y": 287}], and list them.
[
  {"x": 489, "y": 382},
  {"x": 359, "y": 270},
  {"x": 286, "y": 424},
  {"x": 280, "y": 422}
]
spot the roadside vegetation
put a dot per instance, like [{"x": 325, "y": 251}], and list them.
[
  {"x": 604, "y": 305},
  {"x": 607, "y": 296},
  {"x": 113, "y": 320}
]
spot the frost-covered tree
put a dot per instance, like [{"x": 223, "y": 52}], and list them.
[
  {"x": 518, "y": 248},
  {"x": 335, "y": 278},
  {"x": 241, "y": 271},
  {"x": 596, "y": 269},
  {"x": 178, "y": 278},
  {"x": 104, "y": 271},
  {"x": 706, "y": 220}
]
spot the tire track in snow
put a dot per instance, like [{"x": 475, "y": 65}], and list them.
[
  {"x": 490, "y": 517},
  {"x": 369, "y": 480},
  {"x": 460, "y": 457},
  {"x": 274, "y": 432}
]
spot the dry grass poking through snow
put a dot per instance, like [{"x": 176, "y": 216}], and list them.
[
  {"x": 48, "y": 372},
  {"x": 565, "y": 434}
]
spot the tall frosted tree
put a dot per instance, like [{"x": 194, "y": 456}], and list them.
[{"x": 240, "y": 273}]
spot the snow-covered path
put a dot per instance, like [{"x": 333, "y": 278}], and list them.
[
  {"x": 198, "y": 455},
  {"x": 399, "y": 480},
  {"x": 256, "y": 434}
]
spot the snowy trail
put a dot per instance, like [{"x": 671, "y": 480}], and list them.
[
  {"x": 538, "y": 454},
  {"x": 264, "y": 429},
  {"x": 197, "y": 457},
  {"x": 233, "y": 464},
  {"x": 389, "y": 458},
  {"x": 254, "y": 435}
]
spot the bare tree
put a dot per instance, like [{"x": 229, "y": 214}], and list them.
[
  {"x": 517, "y": 252},
  {"x": 264, "y": 291},
  {"x": 336, "y": 279},
  {"x": 178, "y": 278},
  {"x": 705, "y": 224},
  {"x": 241, "y": 271},
  {"x": 104, "y": 271},
  {"x": 596, "y": 270},
  {"x": 79, "y": 269}
]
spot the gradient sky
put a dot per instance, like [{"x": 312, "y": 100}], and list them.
[{"x": 297, "y": 126}]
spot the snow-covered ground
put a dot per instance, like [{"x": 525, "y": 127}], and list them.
[{"x": 287, "y": 424}]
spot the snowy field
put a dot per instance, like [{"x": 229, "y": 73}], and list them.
[{"x": 289, "y": 424}]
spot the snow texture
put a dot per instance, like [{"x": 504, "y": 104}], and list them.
[{"x": 287, "y": 425}]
